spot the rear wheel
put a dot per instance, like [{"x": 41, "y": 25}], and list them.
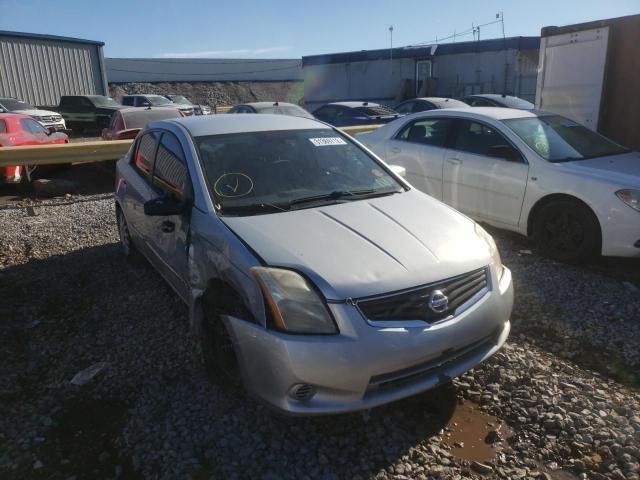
[
  {"x": 126, "y": 244},
  {"x": 567, "y": 230}
]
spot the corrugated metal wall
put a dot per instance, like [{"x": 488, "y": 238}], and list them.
[{"x": 41, "y": 70}]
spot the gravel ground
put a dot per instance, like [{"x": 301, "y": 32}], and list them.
[{"x": 70, "y": 301}]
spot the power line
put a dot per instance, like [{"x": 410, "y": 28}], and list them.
[{"x": 455, "y": 34}]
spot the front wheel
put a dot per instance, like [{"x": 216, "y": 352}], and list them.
[
  {"x": 218, "y": 352},
  {"x": 568, "y": 231}
]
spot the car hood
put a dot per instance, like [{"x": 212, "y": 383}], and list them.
[
  {"x": 36, "y": 112},
  {"x": 367, "y": 247},
  {"x": 623, "y": 169}
]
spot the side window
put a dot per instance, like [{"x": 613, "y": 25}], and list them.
[
  {"x": 405, "y": 107},
  {"x": 327, "y": 112},
  {"x": 480, "y": 102},
  {"x": 170, "y": 173},
  {"x": 32, "y": 126},
  {"x": 142, "y": 102},
  {"x": 3, "y": 126},
  {"x": 477, "y": 138},
  {"x": 84, "y": 102},
  {"x": 422, "y": 107},
  {"x": 127, "y": 101},
  {"x": 145, "y": 153},
  {"x": 427, "y": 131}
]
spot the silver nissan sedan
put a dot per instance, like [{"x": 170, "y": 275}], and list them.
[{"x": 315, "y": 276}]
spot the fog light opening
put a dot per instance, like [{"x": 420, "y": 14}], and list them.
[{"x": 303, "y": 392}]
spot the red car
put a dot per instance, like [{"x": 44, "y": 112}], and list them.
[
  {"x": 127, "y": 122},
  {"x": 17, "y": 129}
]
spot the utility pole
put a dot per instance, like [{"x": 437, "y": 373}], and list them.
[
  {"x": 506, "y": 57},
  {"x": 391, "y": 50}
]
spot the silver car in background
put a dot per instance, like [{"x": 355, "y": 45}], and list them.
[{"x": 315, "y": 276}]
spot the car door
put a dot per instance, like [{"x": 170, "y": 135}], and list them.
[
  {"x": 419, "y": 147},
  {"x": 479, "y": 183},
  {"x": 168, "y": 235}
]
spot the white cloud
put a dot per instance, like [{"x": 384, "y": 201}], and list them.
[{"x": 225, "y": 53}]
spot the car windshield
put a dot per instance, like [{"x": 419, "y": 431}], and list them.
[
  {"x": 13, "y": 104},
  {"x": 180, "y": 99},
  {"x": 157, "y": 100},
  {"x": 101, "y": 101},
  {"x": 285, "y": 110},
  {"x": 558, "y": 139},
  {"x": 265, "y": 172}
]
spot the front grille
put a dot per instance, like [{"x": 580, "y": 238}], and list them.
[
  {"x": 50, "y": 118},
  {"x": 414, "y": 304}
]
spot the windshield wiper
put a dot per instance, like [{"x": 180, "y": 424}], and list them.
[
  {"x": 253, "y": 209},
  {"x": 344, "y": 195}
]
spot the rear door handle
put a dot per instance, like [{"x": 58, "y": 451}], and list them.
[
  {"x": 454, "y": 161},
  {"x": 167, "y": 226},
  {"x": 396, "y": 149}
]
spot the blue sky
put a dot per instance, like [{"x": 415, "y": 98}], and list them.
[{"x": 286, "y": 28}]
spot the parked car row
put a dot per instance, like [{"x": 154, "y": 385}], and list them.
[{"x": 341, "y": 114}]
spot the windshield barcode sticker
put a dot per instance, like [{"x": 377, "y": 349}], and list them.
[{"x": 322, "y": 142}]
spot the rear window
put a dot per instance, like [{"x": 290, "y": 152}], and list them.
[
  {"x": 376, "y": 111},
  {"x": 139, "y": 119},
  {"x": 286, "y": 110}
]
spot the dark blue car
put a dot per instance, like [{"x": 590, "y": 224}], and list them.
[{"x": 343, "y": 114}]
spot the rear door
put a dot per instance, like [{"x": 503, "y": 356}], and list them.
[
  {"x": 420, "y": 147},
  {"x": 482, "y": 186}
]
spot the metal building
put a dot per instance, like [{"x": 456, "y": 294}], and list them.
[
  {"x": 124, "y": 70},
  {"x": 388, "y": 76},
  {"x": 41, "y": 68}
]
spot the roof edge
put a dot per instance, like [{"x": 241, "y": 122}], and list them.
[{"x": 43, "y": 36}]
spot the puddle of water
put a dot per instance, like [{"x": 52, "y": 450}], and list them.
[{"x": 467, "y": 431}]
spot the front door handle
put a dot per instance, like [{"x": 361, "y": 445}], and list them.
[
  {"x": 396, "y": 149},
  {"x": 167, "y": 226},
  {"x": 454, "y": 161}
]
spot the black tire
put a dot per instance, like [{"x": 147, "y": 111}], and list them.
[
  {"x": 126, "y": 243},
  {"x": 218, "y": 351},
  {"x": 567, "y": 231}
]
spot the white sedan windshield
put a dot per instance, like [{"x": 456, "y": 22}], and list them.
[{"x": 558, "y": 139}]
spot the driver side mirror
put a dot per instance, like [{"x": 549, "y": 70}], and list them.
[
  {"x": 505, "y": 152},
  {"x": 164, "y": 206},
  {"x": 51, "y": 130},
  {"x": 398, "y": 170}
]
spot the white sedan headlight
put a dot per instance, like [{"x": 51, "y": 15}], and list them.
[
  {"x": 493, "y": 249},
  {"x": 294, "y": 303},
  {"x": 630, "y": 197}
]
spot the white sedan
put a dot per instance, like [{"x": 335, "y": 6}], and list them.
[{"x": 574, "y": 191}]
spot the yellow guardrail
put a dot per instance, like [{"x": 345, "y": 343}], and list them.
[{"x": 88, "y": 152}]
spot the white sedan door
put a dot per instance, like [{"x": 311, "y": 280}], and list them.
[
  {"x": 478, "y": 182},
  {"x": 420, "y": 148}
]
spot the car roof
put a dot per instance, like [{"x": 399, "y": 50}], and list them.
[
  {"x": 497, "y": 113},
  {"x": 269, "y": 104},
  {"x": 250, "y": 122},
  {"x": 496, "y": 96},
  {"x": 355, "y": 104},
  {"x": 5, "y": 116},
  {"x": 439, "y": 100}
]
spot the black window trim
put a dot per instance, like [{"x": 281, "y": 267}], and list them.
[{"x": 453, "y": 134}]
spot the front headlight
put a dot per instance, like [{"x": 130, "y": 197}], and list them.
[
  {"x": 630, "y": 197},
  {"x": 493, "y": 249},
  {"x": 294, "y": 303}
]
